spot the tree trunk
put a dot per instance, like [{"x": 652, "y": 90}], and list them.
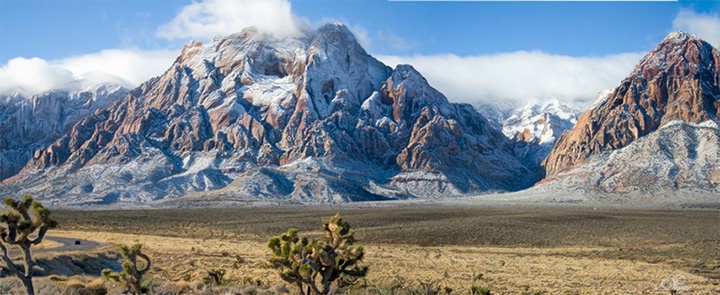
[
  {"x": 27, "y": 278},
  {"x": 326, "y": 286},
  {"x": 27, "y": 282},
  {"x": 137, "y": 289}
]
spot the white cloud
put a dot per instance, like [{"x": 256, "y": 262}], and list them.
[
  {"x": 393, "y": 41},
  {"x": 520, "y": 76},
  {"x": 133, "y": 66},
  {"x": 31, "y": 76},
  {"x": 361, "y": 35},
  {"x": 210, "y": 18},
  {"x": 371, "y": 42},
  {"x": 124, "y": 67},
  {"x": 705, "y": 26}
]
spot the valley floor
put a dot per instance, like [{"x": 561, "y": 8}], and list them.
[{"x": 511, "y": 250}]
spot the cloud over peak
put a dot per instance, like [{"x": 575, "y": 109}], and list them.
[
  {"x": 515, "y": 77},
  {"x": 32, "y": 75},
  {"x": 521, "y": 76},
  {"x": 705, "y": 26},
  {"x": 210, "y": 18},
  {"x": 128, "y": 68}
]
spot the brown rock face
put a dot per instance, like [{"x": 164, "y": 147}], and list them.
[
  {"x": 678, "y": 80},
  {"x": 30, "y": 124},
  {"x": 245, "y": 101},
  {"x": 448, "y": 138}
]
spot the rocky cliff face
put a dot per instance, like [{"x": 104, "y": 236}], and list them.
[
  {"x": 311, "y": 119},
  {"x": 653, "y": 140},
  {"x": 29, "y": 124},
  {"x": 534, "y": 129},
  {"x": 678, "y": 80}
]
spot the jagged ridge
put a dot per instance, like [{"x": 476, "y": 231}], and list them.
[
  {"x": 248, "y": 101},
  {"x": 653, "y": 140},
  {"x": 678, "y": 80},
  {"x": 29, "y": 124}
]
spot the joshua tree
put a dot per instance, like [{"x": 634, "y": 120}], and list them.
[
  {"x": 22, "y": 219},
  {"x": 131, "y": 274},
  {"x": 313, "y": 266}
]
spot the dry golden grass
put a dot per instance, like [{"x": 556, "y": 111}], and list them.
[
  {"x": 46, "y": 244},
  {"x": 511, "y": 250},
  {"x": 505, "y": 270}
]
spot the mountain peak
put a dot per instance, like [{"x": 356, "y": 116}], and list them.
[
  {"x": 680, "y": 43},
  {"x": 335, "y": 28},
  {"x": 252, "y": 100},
  {"x": 678, "y": 36},
  {"x": 679, "y": 52},
  {"x": 681, "y": 37},
  {"x": 336, "y": 33},
  {"x": 406, "y": 72},
  {"x": 678, "y": 80}
]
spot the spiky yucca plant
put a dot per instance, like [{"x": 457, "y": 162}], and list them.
[
  {"x": 22, "y": 219},
  {"x": 313, "y": 266},
  {"x": 132, "y": 270}
]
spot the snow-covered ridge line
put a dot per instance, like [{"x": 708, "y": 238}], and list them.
[
  {"x": 705, "y": 124},
  {"x": 307, "y": 119}
]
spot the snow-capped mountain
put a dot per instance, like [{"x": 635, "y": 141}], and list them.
[
  {"x": 31, "y": 123},
  {"x": 248, "y": 117},
  {"x": 656, "y": 131},
  {"x": 496, "y": 112},
  {"x": 540, "y": 122},
  {"x": 534, "y": 129}
]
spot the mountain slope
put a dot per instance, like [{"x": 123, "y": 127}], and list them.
[
  {"x": 29, "y": 124},
  {"x": 678, "y": 80},
  {"x": 654, "y": 139},
  {"x": 311, "y": 119},
  {"x": 675, "y": 165}
]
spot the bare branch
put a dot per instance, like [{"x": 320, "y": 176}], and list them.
[{"x": 41, "y": 235}]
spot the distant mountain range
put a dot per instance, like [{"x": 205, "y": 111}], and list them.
[{"x": 316, "y": 119}]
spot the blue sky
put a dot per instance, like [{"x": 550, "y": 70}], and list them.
[{"x": 75, "y": 34}]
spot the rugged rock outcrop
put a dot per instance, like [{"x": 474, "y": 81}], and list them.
[
  {"x": 316, "y": 117},
  {"x": 534, "y": 129},
  {"x": 678, "y": 80},
  {"x": 29, "y": 124},
  {"x": 652, "y": 141}
]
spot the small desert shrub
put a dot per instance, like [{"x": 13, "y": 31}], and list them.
[
  {"x": 252, "y": 281},
  {"x": 477, "y": 276},
  {"x": 6, "y": 285},
  {"x": 172, "y": 288},
  {"x": 475, "y": 290},
  {"x": 90, "y": 288},
  {"x": 424, "y": 288},
  {"x": 215, "y": 277},
  {"x": 238, "y": 261}
]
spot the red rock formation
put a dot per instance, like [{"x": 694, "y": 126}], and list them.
[
  {"x": 678, "y": 80},
  {"x": 246, "y": 101}
]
